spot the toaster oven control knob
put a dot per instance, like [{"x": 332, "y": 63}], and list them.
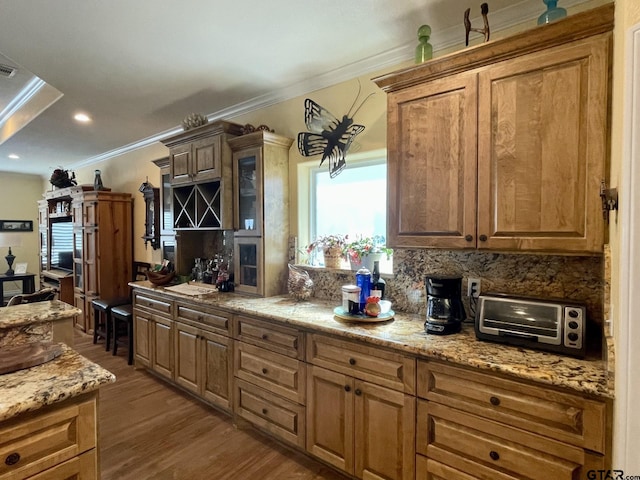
[
  {"x": 573, "y": 336},
  {"x": 573, "y": 313},
  {"x": 573, "y": 324}
]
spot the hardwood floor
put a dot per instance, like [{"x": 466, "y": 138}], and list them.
[{"x": 150, "y": 430}]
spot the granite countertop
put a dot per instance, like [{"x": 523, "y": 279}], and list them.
[
  {"x": 406, "y": 333},
  {"x": 66, "y": 376},
  {"x": 37, "y": 312}
]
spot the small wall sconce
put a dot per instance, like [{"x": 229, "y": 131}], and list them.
[{"x": 152, "y": 214}]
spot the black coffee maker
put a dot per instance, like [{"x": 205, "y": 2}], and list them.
[{"x": 445, "y": 311}]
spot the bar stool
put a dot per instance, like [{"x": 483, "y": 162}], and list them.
[
  {"x": 102, "y": 308},
  {"x": 122, "y": 315}
]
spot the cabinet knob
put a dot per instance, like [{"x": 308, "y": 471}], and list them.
[
  {"x": 347, "y": 388},
  {"x": 265, "y": 336},
  {"x": 483, "y": 238},
  {"x": 495, "y": 401},
  {"x": 12, "y": 458},
  {"x": 265, "y": 411},
  {"x": 468, "y": 238},
  {"x": 264, "y": 371},
  {"x": 352, "y": 361},
  {"x": 358, "y": 392},
  {"x": 494, "y": 455}
]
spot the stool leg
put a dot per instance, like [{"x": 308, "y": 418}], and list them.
[
  {"x": 107, "y": 330},
  {"x": 96, "y": 322},
  {"x": 130, "y": 331},
  {"x": 114, "y": 328}
]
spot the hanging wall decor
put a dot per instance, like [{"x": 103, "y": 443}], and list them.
[{"x": 327, "y": 135}]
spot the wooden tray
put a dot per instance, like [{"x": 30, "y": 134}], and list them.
[
  {"x": 344, "y": 315},
  {"x": 26, "y": 356}
]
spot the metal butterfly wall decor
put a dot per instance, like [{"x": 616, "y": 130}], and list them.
[{"x": 327, "y": 135}]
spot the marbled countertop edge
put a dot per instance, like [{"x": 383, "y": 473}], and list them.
[{"x": 37, "y": 312}]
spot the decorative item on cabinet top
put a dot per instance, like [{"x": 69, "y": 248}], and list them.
[
  {"x": 248, "y": 128},
  {"x": 424, "y": 50},
  {"x": 552, "y": 13},
  {"x": 484, "y": 8},
  {"x": 194, "y": 120},
  {"x": 60, "y": 178}
]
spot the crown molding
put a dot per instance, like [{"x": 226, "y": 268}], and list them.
[{"x": 519, "y": 13}]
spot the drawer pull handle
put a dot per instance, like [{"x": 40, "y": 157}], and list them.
[
  {"x": 358, "y": 392},
  {"x": 494, "y": 455},
  {"x": 352, "y": 361},
  {"x": 495, "y": 401},
  {"x": 12, "y": 458},
  {"x": 483, "y": 238},
  {"x": 265, "y": 336},
  {"x": 264, "y": 370},
  {"x": 265, "y": 411},
  {"x": 347, "y": 388}
]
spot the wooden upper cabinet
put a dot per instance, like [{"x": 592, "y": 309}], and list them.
[
  {"x": 432, "y": 163},
  {"x": 542, "y": 142},
  {"x": 504, "y": 145}
]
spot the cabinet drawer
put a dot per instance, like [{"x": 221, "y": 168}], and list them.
[
  {"x": 287, "y": 341},
  {"x": 84, "y": 467},
  {"x": 563, "y": 416},
  {"x": 384, "y": 368},
  {"x": 284, "y": 419},
  {"x": 427, "y": 469},
  {"x": 155, "y": 304},
  {"x": 481, "y": 447},
  {"x": 277, "y": 373},
  {"x": 38, "y": 441},
  {"x": 203, "y": 315}
]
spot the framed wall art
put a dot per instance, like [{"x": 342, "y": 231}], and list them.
[{"x": 16, "y": 225}]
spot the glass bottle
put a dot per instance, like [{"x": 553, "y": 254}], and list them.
[
  {"x": 97, "y": 181},
  {"x": 424, "y": 50},
  {"x": 377, "y": 282},
  {"x": 363, "y": 280},
  {"x": 553, "y": 12}
]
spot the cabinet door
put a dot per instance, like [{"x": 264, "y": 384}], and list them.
[
  {"x": 330, "y": 417},
  {"x": 90, "y": 261},
  {"x": 248, "y": 269},
  {"x": 542, "y": 149},
  {"x": 384, "y": 433},
  {"x": 90, "y": 213},
  {"x": 187, "y": 339},
  {"x": 432, "y": 164},
  {"x": 180, "y": 164},
  {"x": 206, "y": 159},
  {"x": 216, "y": 372},
  {"x": 247, "y": 175},
  {"x": 142, "y": 336},
  {"x": 78, "y": 320},
  {"x": 163, "y": 347}
]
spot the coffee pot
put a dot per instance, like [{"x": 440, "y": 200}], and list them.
[{"x": 445, "y": 311}]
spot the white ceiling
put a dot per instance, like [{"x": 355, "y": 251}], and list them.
[{"x": 138, "y": 67}]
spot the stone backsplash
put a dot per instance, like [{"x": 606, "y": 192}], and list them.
[{"x": 578, "y": 278}]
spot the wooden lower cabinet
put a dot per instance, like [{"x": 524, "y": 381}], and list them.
[
  {"x": 361, "y": 428},
  {"x": 154, "y": 343},
  {"x": 202, "y": 363},
  {"x": 55, "y": 442}
]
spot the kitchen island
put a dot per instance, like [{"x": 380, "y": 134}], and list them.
[
  {"x": 378, "y": 400},
  {"x": 48, "y": 413}
]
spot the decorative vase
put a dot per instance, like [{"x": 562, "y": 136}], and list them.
[
  {"x": 97, "y": 181},
  {"x": 424, "y": 50},
  {"x": 332, "y": 257},
  {"x": 553, "y": 12},
  {"x": 367, "y": 260}
]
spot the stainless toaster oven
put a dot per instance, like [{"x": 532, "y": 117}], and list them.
[{"x": 547, "y": 324}]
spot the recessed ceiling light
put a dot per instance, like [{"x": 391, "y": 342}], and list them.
[
  {"x": 82, "y": 117},
  {"x": 13, "y": 156}
]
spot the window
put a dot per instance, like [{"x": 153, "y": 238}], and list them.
[{"x": 353, "y": 203}]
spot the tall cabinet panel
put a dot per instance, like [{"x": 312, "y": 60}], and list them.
[{"x": 261, "y": 212}]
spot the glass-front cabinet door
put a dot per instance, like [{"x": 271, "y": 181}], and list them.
[
  {"x": 248, "y": 265},
  {"x": 78, "y": 271},
  {"x": 247, "y": 175}
]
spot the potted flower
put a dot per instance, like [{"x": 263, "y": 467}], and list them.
[
  {"x": 332, "y": 248},
  {"x": 363, "y": 251}
]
